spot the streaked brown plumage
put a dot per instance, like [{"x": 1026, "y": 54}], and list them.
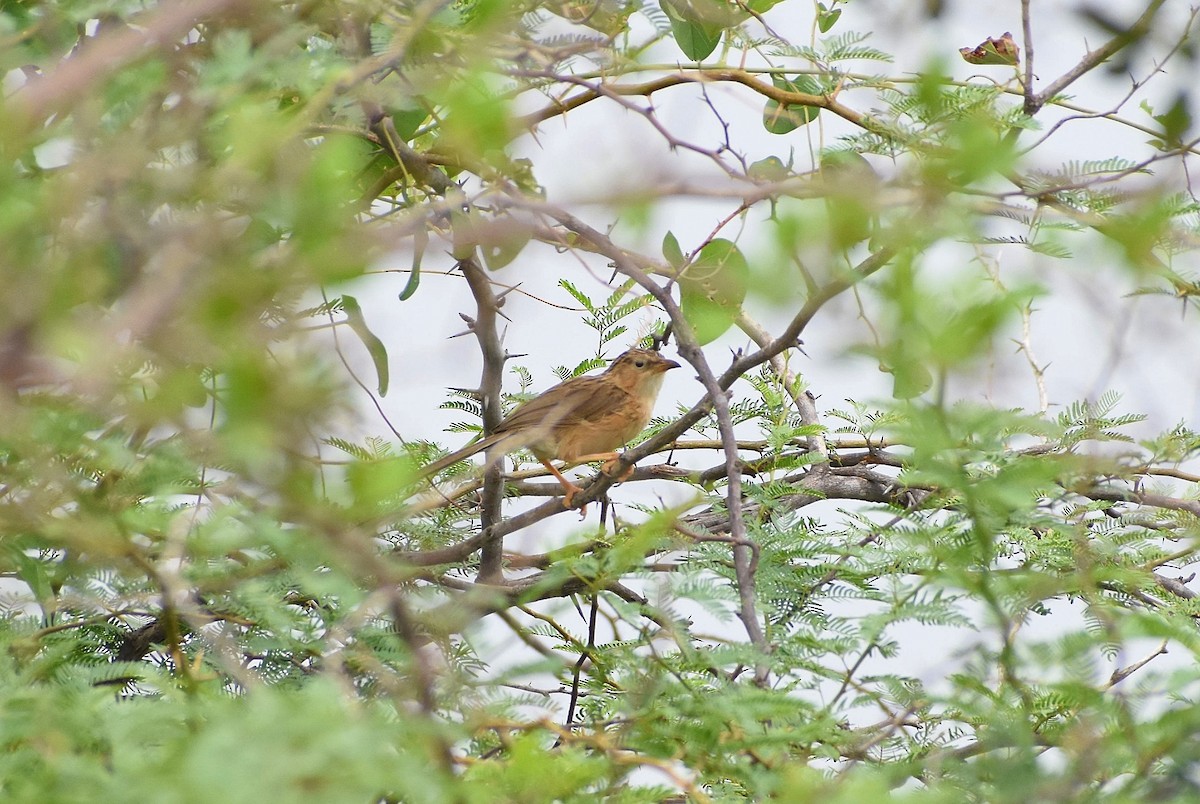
[{"x": 578, "y": 421}]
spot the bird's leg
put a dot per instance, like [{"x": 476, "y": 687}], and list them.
[
  {"x": 610, "y": 462},
  {"x": 567, "y": 485}
]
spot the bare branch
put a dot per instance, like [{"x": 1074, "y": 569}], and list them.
[{"x": 1094, "y": 58}]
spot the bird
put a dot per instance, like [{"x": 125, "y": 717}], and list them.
[{"x": 580, "y": 420}]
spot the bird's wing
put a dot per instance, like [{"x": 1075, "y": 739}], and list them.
[
  {"x": 580, "y": 399},
  {"x": 577, "y": 400}
]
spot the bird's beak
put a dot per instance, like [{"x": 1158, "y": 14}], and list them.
[{"x": 667, "y": 365}]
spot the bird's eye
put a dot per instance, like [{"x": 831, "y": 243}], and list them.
[{"x": 639, "y": 363}]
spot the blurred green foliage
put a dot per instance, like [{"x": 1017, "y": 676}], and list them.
[{"x": 214, "y": 589}]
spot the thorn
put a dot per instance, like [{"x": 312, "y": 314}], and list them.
[{"x": 500, "y": 296}]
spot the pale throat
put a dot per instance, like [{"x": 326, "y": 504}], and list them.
[{"x": 653, "y": 383}]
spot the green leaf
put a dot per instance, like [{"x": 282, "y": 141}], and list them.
[
  {"x": 407, "y": 121},
  {"x": 420, "y": 242},
  {"x": 410, "y": 287},
  {"x": 375, "y": 347},
  {"x": 1175, "y": 123},
  {"x": 463, "y": 235},
  {"x": 712, "y": 289},
  {"x": 499, "y": 238},
  {"x": 672, "y": 253},
  {"x": 910, "y": 378},
  {"x": 500, "y": 246},
  {"x": 826, "y": 17},
  {"x": 780, "y": 119},
  {"x": 851, "y": 191},
  {"x": 320, "y": 209},
  {"x": 33, "y": 572},
  {"x": 610, "y": 18},
  {"x": 696, "y": 35},
  {"x": 374, "y": 483},
  {"x": 476, "y": 120},
  {"x": 770, "y": 168}
]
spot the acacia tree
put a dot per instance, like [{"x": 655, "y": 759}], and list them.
[{"x": 217, "y": 589}]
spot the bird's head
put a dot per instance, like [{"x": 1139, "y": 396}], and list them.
[{"x": 640, "y": 370}]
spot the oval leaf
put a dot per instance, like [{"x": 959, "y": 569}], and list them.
[
  {"x": 695, "y": 37},
  {"x": 909, "y": 379},
  {"x": 779, "y": 119},
  {"x": 770, "y": 168},
  {"x": 672, "y": 253},
  {"x": 464, "y": 238},
  {"x": 407, "y": 121},
  {"x": 851, "y": 190},
  {"x": 712, "y": 289},
  {"x": 501, "y": 248}
]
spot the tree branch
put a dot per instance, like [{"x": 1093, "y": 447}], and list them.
[{"x": 1096, "y": 57}]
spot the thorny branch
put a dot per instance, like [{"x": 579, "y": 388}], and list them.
[{"x": 486, "y": 333}]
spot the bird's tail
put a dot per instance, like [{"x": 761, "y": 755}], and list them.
[{"x": 466, "y": 452}]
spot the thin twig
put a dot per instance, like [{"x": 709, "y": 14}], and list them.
[{"x": 1027, "y": 36}]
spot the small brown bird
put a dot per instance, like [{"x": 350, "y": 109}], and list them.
[{"x": 578, "y": 421}]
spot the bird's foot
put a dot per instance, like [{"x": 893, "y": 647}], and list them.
[
  {"x": 568, "y": 499},
  {"x": 612, "y": 468}
]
